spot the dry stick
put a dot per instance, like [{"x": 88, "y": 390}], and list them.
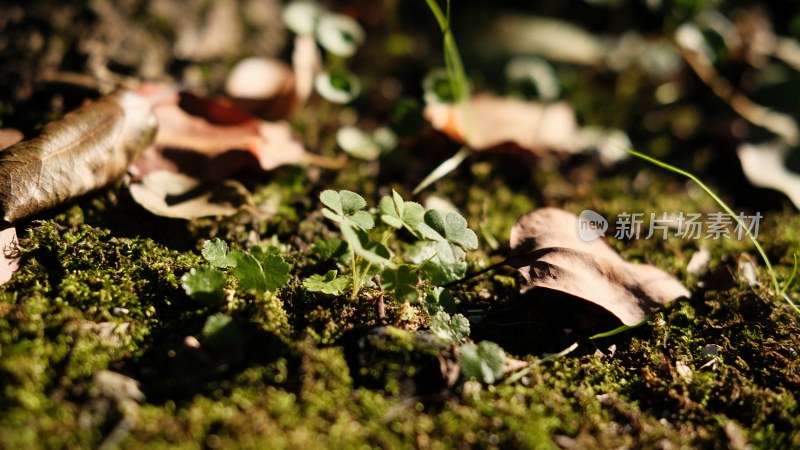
[
  {"x": 381, "y": 303},
  {"x": 776, "y": 122}
]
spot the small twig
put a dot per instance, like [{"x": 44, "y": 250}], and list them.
[
  {"x": 781, "y": 124},
  {"x": 381, "y": 303},
  {"x": 326, "y": 163}
]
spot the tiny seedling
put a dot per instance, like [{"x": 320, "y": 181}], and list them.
[
  {"x": 437, "y": 256},
  {"x": 258, "y": 270},
  {"x": 459, "y": 90}
]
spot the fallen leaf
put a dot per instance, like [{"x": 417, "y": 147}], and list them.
[
  {"x": 770, "y": 165},
  {"x": 197, "y": 147},
  {"x": 488, "y": 122},
  {"x": 170, "y": 194},
  {"x": 9, "y": 253},
  {"x": 85, "y": 150},
  {"x": 547, "y": 250},
  {"x": 9, "y": 137}
]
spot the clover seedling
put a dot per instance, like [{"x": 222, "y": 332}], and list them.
[
  {"x": 339, "y": 34},
  {"x": 337, "y": 87},
  {"x": 398, "y": 213},
  {"x": 357, "y": 143},
  {"x": 346, "y": 209}
]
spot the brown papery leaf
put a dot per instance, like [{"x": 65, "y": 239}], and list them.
[
  {"x": 178, "y": 196},
  {"x": 548, "y": 252},
  {"x": 9, "y": 137},
  {"x": 9, "y": 253},
  {"x": 87, "y": 149},
  {"x": 194, "y": 146},
  {"x": 488, "y": 121}
]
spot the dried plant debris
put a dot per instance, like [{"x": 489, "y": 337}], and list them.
[
  {"x": 489, "y": 122},
  {"x": 9, "y": 253},
  {"x": 772, "y": 165},
  {"x": 548, "y": 252},
  {"x": 87, "y": 149},
  {"x": 217, "y": 141},
  {"x": 170, "y": 194}
]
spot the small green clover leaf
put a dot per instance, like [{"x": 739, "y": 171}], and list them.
[
  {"x": 453, "y": 328},
  {"x": 215, "y": 252},
  {"x": 398, "y": 213},
  {"x": 452, "y": 228},
  {"x": 260, "y": 270},
  {"x": 483, "y": 362},
  {"x": 205, "y": 284},
  {"x": 402, "y": 281},
  {"x": 345, "y": 207},
  {"x": 373, "y": 253},
  {"x": 327, "y": 284},
  {"x": 440, "y": 261}
]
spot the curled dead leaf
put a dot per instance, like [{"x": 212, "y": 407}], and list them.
[
  {"x": 175, "y": 195},
  {"x": 547, "y": 250},
  {"x": 488, "y": 121},
  {"x": 87, "y": 149},
  {"x": 203, "y": 149}
]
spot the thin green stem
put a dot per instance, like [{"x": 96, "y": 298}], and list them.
[
  {"x": 728, "y": 210},
  {"x": 791, "y": 277},
  {"x": 452, "y": 57}
]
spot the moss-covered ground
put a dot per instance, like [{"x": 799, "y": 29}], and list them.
[
  {"x": 92, "y": 296},
  {"x": 101, "y": 347}
]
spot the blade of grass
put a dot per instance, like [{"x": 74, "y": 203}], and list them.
[
  {"x": 449, "y": 165},
  {"x": 730, "y": 212}
]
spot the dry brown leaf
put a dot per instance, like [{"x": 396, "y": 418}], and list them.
[
  {"x": 9, "y": 137},
  {"x": 170, "y": 194},
  {"x": 87, "y": 149},
  {"x": 488, "y": 121},
  {"x": 197, "y": 147},
  {"x": 9, "y": 253},
  {"x": 547, "y": 250}
]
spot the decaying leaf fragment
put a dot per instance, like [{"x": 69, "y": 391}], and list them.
[
  {"x": 772, "y": 165},
  {"x": 9, "y": 253},
  {"x": 170, "y": 194},
  {"x": 87, "y": 149},
  {"x": 218, "y": 143},
  {"x": 488, "y": 121},
  {"x": 547, "y": 250}
]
